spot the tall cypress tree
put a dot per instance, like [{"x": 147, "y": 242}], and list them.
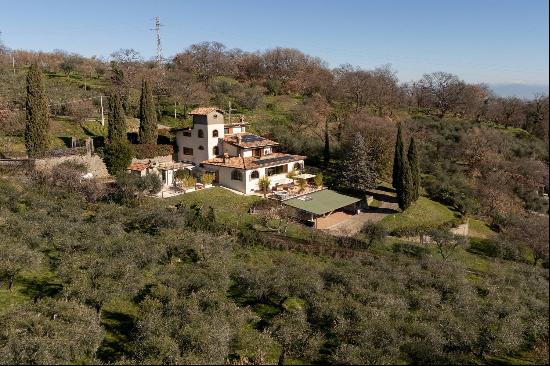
[
  {"x": 398, "y": 159},
  {"x": 37, "y": 123},
  {"x": 412, "y": 157},
  {"x": 357, "y": 169},
  {"x": 405, "y": 192},
  {"x": 117, "y": 121},
  {"x": 326, "y": 154},
  {"x": 147, "y": 116}
]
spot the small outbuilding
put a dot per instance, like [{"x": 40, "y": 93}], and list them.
[{"x": 324, "y": 208}]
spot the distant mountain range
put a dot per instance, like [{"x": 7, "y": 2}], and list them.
[{"x": 519, "y": 90}]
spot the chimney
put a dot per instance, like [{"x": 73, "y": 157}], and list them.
[{"x": 225, "y": 157}]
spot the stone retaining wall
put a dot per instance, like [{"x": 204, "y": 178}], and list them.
[
  {"x": 94, "y": 164},
  {"x": 156, "y": 159}
]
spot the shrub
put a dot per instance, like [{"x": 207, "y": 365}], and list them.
[
  {"x": 130, "y": 186},
  {"x": 207, "y": 178},
  {"x": 318, "y": 180},
  {"x": 499, "y": 247},
  {"x": 410, "y": 249},
  {"x": 375, "y": 233},
  {"x": 117, "y": 156},
  {"x": 148, "y": 151},
  {"x": 79, "y": 111},
  {"x": 185, "y": 178}
]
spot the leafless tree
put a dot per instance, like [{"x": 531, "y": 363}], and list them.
[{"x": 443, "y": 89}]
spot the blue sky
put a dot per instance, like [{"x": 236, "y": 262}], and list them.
[{"x": 484, "y": 40}]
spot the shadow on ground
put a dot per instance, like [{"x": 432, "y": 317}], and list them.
[
  {"x": 119, "y": 327},
  {"x": 37, "y": 288}
]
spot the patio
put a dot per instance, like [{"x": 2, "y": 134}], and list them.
[{"x": 283, "y": 192}]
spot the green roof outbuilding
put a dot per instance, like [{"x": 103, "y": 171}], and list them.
[{"x": 321, "y": 202}]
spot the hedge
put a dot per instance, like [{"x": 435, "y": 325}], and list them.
[{"x": 148, "y": 151}]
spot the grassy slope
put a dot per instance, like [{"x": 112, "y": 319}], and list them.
[
  {"x": 422, "y": 212},
  {"x": 227, "y": 205}
]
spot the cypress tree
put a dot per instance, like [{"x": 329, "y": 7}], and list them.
[
  {"x": 357, "y": 169},
  {"x": 405, "y": 192},
  {"x": 117, "y": 121},
  {"x": 37, "y": 123},
  {"x": 412, "y": 157},
  {"x": 327, "y": 145},
  {"x": 147, "y": 116},
  {"x": 398, "y": 159}
]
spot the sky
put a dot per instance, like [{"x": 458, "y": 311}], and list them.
[{"x": 492, "y": 41}]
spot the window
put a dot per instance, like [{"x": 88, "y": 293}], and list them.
[
  {"x": 215, "y": 116},
  {"x": 215, "y": 150},
  {"x": 187, "y": 133},
  {"x": 255, "y": 174},
  {"x": 187, "y": 151},
  {"x": 201, "y": 147},
  {"x": 236, "y": 175},
  {"x": 201, "y": 133},
  {"x": 276, "y": 170},
  {"x": 215, "y": 133},
  {"x": 257, "y": 153},
  {"x": 226, "y": 131},
  {"x": 267, "y": 151},
  {"x": 298, "y": 166}
]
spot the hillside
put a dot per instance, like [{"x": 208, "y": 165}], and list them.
[{"x": 94, "y": 271}]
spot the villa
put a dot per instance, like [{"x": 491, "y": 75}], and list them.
[{"x": 237, "y": 158}]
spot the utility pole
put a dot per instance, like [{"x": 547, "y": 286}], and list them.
[
  {"x": 230, "y": 109},
  {"x": 102, "y": 117},
  {"x": 159, "y": 47},
  {"x": 175, "y": 106},
  {"x": 13, "y": 63}
]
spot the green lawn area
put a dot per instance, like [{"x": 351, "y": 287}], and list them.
[
  {"x": 117, "y": 317},
  {"x": 422, "y": 212},
  {"x": 27, "y": 286},
  {"x": 227, "y": 205},
  {"x": 479, "y": 229},
  {"x": 14, "y": 297}
]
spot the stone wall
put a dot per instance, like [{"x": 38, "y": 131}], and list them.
[{"x": 94, "y": 164}]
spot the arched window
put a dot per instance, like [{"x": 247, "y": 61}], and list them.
[
  {"x": 255, "y": 174},
  {"x": 201, "y": 134},
  {"x": 298, "y": 166},
  {"x": 236, "y": 175},
  {"x": 215, "y": 150},
  {"x": 215, "y": 133},
  {"x": 201, "y": 147}
]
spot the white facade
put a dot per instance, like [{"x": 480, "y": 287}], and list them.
[
  {"x": 198, "y": 143},
  {"x": 247, "y": 184}
]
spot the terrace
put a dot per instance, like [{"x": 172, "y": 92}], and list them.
[{"x": 302, "y": 185}]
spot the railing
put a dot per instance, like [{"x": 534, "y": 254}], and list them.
[{"x": 290, "y": 195}]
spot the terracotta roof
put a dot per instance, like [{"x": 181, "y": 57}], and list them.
[
  {"x": 251, "y": 162},
  {"x": 248, "y": 140},
  {"x": 203, "y": 111},
  {"x": 138, "y": 166}
]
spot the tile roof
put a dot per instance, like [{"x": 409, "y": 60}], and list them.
[
  {"x": 248, "y": 140},
  {"x": 238, "y": 162},
  {"x": 203, "y": 111},
  {"x": 138, "y": 166}
]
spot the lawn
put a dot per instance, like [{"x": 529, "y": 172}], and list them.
[
  {"x": 479, "y": 229},
  {"x": 423, "y": 212},
  {"x": 228, "y": 206}
]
